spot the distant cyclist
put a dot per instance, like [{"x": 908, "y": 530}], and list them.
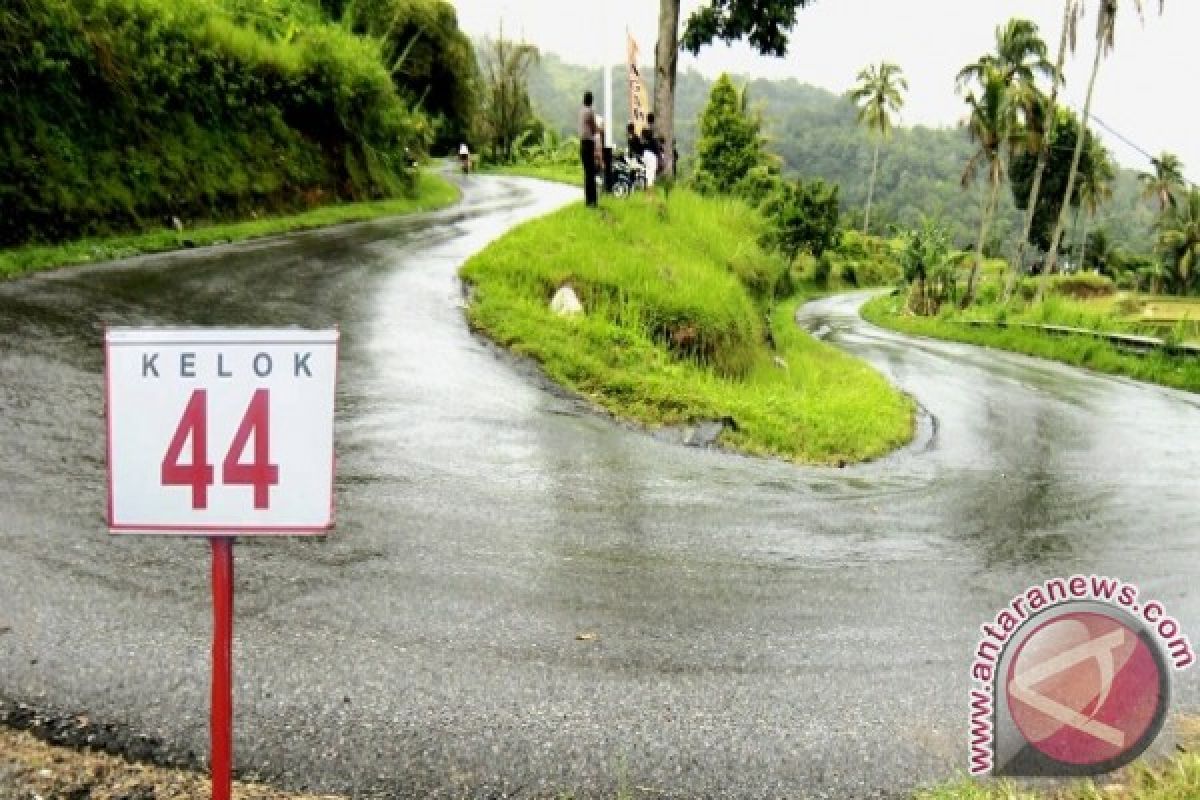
[{"x": 464, "y": 157}]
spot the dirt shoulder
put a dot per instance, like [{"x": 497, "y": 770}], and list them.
[{"x": 30, "y": 769}]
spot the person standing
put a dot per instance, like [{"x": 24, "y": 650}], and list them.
[
  {"x": 652, "y": 154},
  {"x": 588, "y": 131}
]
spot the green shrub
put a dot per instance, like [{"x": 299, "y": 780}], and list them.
[
  {"x": 987, "y": 294},
  {"x": 803, "y": 216},
  {"x": 1082, "y": 285},
  {"x": 132, "y": 111}
]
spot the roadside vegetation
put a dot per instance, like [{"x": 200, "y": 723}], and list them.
[
  {"x": 1066, "y": 272},
  {"x": 31, "y": 768},
  {"x": 1175, "y": 778},
  {"x": 431, "y": 192},
  {"x": 129, "y": 117}
]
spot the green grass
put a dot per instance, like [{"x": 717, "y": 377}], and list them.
[
  {"x": 676, "y": 325},
  {"x": 558, "y": 173},
  {"x": 1178, "y": 779},
  {"x": 1181, "y": 372},
  {"x": 433, "y": 192}
]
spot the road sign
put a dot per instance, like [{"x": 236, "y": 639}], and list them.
[{"x": 220, "y": 431}]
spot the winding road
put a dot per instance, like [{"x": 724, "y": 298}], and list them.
[{"x": 753, "y": 628}]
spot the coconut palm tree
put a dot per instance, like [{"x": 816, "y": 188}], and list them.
[
  {"x": 1179, "y": 241},
  {"x": 993, "y": 125},
  {"x": 1166, "y": 179},
  {"x": 1020, "y": 56},
  {"x": 878, "y": 97},
  {"x": 1106, "y": 30},
  {"x": 1021, "y": 48}
]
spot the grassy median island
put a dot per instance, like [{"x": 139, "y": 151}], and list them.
[
  {"x": 1177, "y": 371},
  {"x": 432, "y": 192},
  {"x": 680, "y": 311}
]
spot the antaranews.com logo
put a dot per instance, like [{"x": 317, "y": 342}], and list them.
[{"x": 1072, "y": 678}]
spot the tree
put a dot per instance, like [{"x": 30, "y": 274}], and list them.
[
  {"x": 764, "y": 23},
  {"x": 1021, "y": 58},
  {"x": 1179, "y": 242},
  {"x": 431, "y": 60},
  {"x": 804, "y": 217},
  {"x": 878, "y": 98},
  {"x": 1164, "y": 182},
  {"x": 930, "y": 266},
  {"x": 506, "y": 111},
  {"x": 1060, "y": 145},
  {"x": 992, "y": 125},
  {"x": 730, "y": 143},
  {"x": 1095, "y": 188},
  {"x": 1106, "y": 27}
]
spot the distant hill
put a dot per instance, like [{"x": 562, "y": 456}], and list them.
[{"x": 815, "y": 133}]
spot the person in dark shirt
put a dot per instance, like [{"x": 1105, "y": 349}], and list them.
[
  {"x": 587, "y": 148},
  {"x": 636, "y": 147}
]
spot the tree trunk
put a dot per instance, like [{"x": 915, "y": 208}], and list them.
[
  {"x": 1052, "y": 256},
  {"x": 666, "y": 67},
  {"x": 988, "y": 211},
  {"x": 1035, "y": 190},
  {"x": 871, "y": 189}
]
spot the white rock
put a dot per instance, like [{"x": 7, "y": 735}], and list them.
[{"x": 566, "y": 302}]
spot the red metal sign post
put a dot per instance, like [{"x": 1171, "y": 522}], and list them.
[{"x": 222, "y": 664}]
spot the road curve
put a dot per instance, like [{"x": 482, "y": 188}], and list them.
[{"x": 758, "y": 629}]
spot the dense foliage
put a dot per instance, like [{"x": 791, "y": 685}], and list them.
[
  {"x": 431, "y": 60},
  {"x": 804, "y": 217},
  {"x": 730, "y": 144},
  {"x": 119, "y": 114},
  {"x": 1054, "y": 181}
]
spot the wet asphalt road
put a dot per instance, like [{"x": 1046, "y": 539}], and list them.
[{"x": 760, "y": 629}]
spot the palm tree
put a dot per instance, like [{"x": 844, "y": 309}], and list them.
[
  {"x": 878, "y": 98},
  {"x": 993, "y": 125},
  {"x": 1095, "y": 188},
  {"x": 1072, "y": 10},
  {"x": 1166, "y": 179},
  {"x": 1106, "y": 31},
  {"x": 1179, "y": 240},
  {"x": 1020, "y": 56}
]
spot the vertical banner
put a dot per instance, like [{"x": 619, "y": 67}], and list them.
[{"x": 638, "y": 104}]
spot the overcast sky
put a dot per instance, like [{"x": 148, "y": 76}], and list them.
[{"x": 1141, "y": 92}]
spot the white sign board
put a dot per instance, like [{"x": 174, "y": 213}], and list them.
[{"x": 220, "y": 431}]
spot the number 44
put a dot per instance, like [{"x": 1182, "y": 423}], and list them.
[{"x": 260, "y": 473}]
